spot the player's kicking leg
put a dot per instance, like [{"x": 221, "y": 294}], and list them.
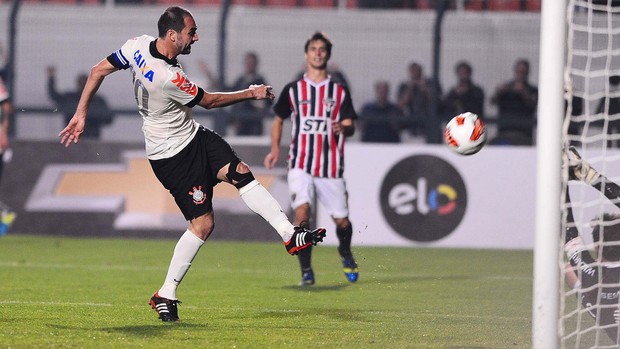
[{"x": 260, "y": 201}]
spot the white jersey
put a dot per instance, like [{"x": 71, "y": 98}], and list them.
[{"x": 164, "y": 94}]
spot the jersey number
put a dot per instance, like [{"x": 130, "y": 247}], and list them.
[{"x": 141, "y": 93}]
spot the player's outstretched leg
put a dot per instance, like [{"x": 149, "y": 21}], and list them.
[
  {"x": 165, "y": 308},
  {"x": 260, "y": 201},
  {"x": 303, "y": 238}
]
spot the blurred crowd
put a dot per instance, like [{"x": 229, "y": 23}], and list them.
[{"x": 468, "y": 5}]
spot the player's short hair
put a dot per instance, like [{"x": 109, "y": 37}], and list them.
[
  {"x": 173, "y": 18},
  {"x": 607, "y": 232},
  {"x": 320, "y": 36}
]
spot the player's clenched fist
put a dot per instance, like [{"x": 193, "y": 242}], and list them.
[{"x": 261, "y": 92}]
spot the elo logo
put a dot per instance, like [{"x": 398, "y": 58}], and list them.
[{"x": 423, "y": 198}]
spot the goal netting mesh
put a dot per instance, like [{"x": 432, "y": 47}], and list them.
[{"x": 592, "y": 125}]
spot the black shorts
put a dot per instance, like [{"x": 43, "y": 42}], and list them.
[{"x": 191, "y": 174}]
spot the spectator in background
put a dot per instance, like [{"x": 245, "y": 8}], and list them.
[
  {"x": 247, "y": 117},
  {"x": 465, "y": 96},
  {"x": 609, "y": 107},
  {"x": 99, "y": 114},
  {"x": 381, "y": 120},
  {"x": 516, "y": 101},
  {"x": 415, "y": 97}
]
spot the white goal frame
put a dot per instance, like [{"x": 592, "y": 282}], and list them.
[{"x": 546, "y": 289}]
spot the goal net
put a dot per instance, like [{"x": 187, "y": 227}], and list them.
[{"x": 590, "y": 288}]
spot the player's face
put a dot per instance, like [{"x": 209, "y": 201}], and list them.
[
  {"x": 187, "y": 36},
  {"x": 316, "y": 55}
]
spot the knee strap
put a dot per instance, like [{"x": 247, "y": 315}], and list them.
[{"x": 242, "y": 179}]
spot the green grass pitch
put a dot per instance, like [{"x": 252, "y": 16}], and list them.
[{"x": 93, "y": 293}]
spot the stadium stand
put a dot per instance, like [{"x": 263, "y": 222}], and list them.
[{"x": 468, "y": 5}]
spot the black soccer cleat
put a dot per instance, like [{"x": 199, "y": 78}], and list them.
[
  {"x": 303, "y": 238},
  {"x": 165, "y": 308}
]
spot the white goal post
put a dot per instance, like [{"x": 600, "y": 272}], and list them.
[
  {"x": 579, "y": 105},
  {"x": 545, "y": 307}
]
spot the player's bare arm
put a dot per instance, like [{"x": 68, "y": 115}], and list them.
[
  {"x": 71, "y": 133},
  {"x": 276, "y": 135},
  {"x": 223, "y": 99}
]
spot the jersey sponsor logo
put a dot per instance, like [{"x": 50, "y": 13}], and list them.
[
  {"x": 423, "y": 198},
  {"x": 314, "y": 125},
  {"x": 144, "y": 69},
  {"x": 184, "y": 84}
]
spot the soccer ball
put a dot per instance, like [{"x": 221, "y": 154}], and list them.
[{"x": 465, "y": 134}]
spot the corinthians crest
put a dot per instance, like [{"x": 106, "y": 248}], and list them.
[{"x": 198, "y": 195}]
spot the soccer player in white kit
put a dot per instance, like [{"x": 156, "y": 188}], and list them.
[{"x": 187, "y": 158}]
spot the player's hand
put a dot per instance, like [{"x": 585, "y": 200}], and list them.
[
  {"x": 271, "y": 160},
  {"x": 261, "y": 92},
  {"x": 579, "y": 169},
  {"x": 337, "y": 127},
  {"x": 72, "y": 132}
]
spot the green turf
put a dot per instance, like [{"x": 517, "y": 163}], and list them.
[{"x": 93, "y": 293}]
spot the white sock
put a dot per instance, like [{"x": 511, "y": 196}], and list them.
[
  {"x": 259, "y": 200},
  {"x": 184, "y": 252}
]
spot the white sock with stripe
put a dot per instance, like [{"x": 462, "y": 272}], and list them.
[
  {"x": 184, "y": 252},
  {"x": 260, "y": 201}
]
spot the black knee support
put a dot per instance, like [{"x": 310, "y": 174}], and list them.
[{"x": 242, "y": 179}]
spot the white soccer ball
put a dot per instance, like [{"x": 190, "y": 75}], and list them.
[{"x": 465, "y": 134}]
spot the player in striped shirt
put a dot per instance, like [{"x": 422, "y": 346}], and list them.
[
  {"x": 322, "y": 117},
  {"x": 188, "y": 159}
]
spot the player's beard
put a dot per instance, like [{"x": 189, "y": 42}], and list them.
[{"x": 185, "y": 50}]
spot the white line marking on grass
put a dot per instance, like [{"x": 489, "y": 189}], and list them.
[{"x": 56, "y": 303}]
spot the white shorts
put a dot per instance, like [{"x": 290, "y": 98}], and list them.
[{"x": 331, "y": 192}]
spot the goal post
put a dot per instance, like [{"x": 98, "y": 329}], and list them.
[
  {"x": 579, "y": 105},
  {"x": 546, "y": 287}
]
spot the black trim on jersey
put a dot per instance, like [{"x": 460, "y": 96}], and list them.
[
  {"x": 156, "y": 54},
  {"x": 196, "y": 99},
  {"x": 282, "y": 107},
  {"x": 309, "y": 162},
  {"x": 346, "y": 109},
  {"x": 112, "y": 59},
  {"x": 312, "y": 97}
]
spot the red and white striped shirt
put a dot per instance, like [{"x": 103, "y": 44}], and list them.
[{"x": 313, "y": 107}]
